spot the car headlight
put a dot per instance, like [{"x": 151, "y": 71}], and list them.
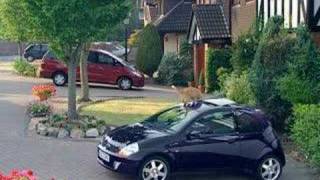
[{"x": 129, "y": 150}]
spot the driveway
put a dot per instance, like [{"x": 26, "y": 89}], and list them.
[{"x": 70, "y": 160}]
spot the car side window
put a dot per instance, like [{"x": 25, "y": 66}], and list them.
[
  {"x": 105, "y": 59},
  {"x": 217, "y": 123},
  {"x": 247, "y": 124},
  {"x": 93, "y": 57}
]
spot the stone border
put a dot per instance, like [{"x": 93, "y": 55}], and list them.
[{"x": 32, "y": 122}]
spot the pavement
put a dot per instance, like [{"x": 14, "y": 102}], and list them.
[{"x": 72, "y": 160}]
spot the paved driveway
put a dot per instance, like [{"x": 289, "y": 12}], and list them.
[{"x": 69, "y": 160}]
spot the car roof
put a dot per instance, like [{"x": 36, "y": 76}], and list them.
[{"x": 221, "y": 101}]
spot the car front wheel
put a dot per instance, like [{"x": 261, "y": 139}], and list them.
[
  {"x": 155, "y": 168},
  {"x": 269, "y": 168},
  {"x": 59, "y": 79},
  {"x": 125, "y": 83},
  {"x": 30, "y": 59}
]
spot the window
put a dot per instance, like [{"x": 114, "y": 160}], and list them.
[
  {"x": 247, "y": 124},
  {"x": 93, "y": 57},
  {"x": 105, "y": 59},
  {"x": 217, "y": 123}
]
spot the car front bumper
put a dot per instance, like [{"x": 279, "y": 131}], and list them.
[{"x": 116, "y": 163}]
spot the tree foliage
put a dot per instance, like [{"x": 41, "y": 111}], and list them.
[
  {"x": 68, "y": 25},
  {"x": 270, "y": 63},
  {"x": 302, "y": 83},
  {"x": 149, "y": 52}
]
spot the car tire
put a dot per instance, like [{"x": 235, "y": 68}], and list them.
[
  {"x": 59, "y": 78},
  {"x": 269, "y": 168},
  {"x": 30, "y": 59},
  {"x": 155, "y": 168},
  {"x": 125, "y": 83}
]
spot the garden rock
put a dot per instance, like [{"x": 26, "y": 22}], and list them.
[
  {"x": 92, "y": 133},
  {"x": 42, "y": 129},
  {"x": 76, "y": 134},
  {"x": 53, "y": 132},
  {"x": 103, "y": 130},
  {"x": 63, "y": 134},
  {"x": 33, "y": 123}
]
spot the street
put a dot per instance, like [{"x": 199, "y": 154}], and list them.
[{"x": 72, "y": 160}]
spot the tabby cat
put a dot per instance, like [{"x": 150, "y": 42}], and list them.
[{"x": 188, "y": 94}]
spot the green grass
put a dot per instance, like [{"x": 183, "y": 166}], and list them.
[{"x": 126, "y": 111}]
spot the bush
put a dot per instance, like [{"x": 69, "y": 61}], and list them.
[
  {"x": 237, "y": 88},
  {"x": 243, "y": 52},
  {"x": 149, "y": 52},
  {"x": 269, "y": 65},
  {"x": 305, "y": 131},
  {"x": 39, "y": 109},
  {"x": 301, "y": 84},
  {"x": 173, "y": 71},
  {"x": 217, "y": 58},
  {"x": 24, "y": 68}
]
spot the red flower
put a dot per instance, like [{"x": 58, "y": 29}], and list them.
[{"x": 44, "y": 92}]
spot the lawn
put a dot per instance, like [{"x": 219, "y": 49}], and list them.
[{"x": 126, "y": 111}]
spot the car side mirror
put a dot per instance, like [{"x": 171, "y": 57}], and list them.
[{"x": 194, "y": 135}]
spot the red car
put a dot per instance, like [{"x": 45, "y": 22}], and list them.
[{"x": 103, "y": 67}]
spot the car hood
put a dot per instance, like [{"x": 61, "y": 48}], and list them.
[{"x": 134, "y": 133}]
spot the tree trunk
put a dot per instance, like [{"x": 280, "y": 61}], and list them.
[
  {"x": 72, "y": 94},
  {"x": 84, "y": 73},
  {"x": 20, "y": 51}
]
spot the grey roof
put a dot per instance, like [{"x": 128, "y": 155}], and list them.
[
  {"x": 177, "y": 19},
  {"x": 211, "y": 21}
]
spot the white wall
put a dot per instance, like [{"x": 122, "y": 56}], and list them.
[{"x": 172, "y": 42}]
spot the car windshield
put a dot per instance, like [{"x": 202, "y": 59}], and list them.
[{"x": 172, "y": 120}]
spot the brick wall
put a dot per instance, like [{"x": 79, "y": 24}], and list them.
[{"x": 242, "y": 17}]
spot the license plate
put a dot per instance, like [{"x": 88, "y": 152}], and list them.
[{"x": 104, "y": 156}]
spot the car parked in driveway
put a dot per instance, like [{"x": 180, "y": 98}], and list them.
[
  {"x": 35, "y": 51},
  {"x": 103, "y": 67},
  {"x": 196, "y": 136}
]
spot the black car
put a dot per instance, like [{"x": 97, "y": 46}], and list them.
[
  {"x": 196, "y": 136},
  {"x": 35, "y": 51}
]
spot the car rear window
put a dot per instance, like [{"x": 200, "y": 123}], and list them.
[{"x": 248, "y": 124}]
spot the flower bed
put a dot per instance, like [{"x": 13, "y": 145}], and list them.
[{"x": 18, "y": 175}]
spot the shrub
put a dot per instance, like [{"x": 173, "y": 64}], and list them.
[
  {"x": 243, "y": 52},
  {"x": 173, "y": 71},
  {"x": 237, "y": 87},
  {"x": 39, "y": 109},
  {"x": 24, "y": 68},
  {"x": 149, "y": 52},
  {"x": 134, "y": 38},
  {"x": 305, "y": 131},
  {"x": 301, "y": 84},
  {"x": 217, "y": 58},
  {"x": 269, "y": 65},
  {"x": 43, "y": 92}
]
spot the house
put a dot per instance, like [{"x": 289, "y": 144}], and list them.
[
  {"x": 295, "y": 12},
  {"x": 174, "y": 25},
  {"x": 209, "y": 28},
  {"x": 242, "y": 16}
]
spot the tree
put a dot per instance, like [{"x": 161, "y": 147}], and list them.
[
  {"x": 101, "y": 32},
  {"x": 149, "y": 52},
  {"x": 68, "y": 26},
  {"x": 270, "y": 63},
  {"x": 13, "y": 22}
]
